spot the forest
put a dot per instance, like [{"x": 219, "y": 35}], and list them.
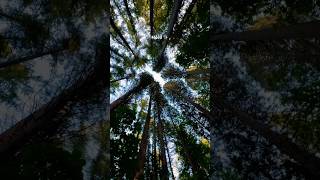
[{"x": 159, "y": 89}]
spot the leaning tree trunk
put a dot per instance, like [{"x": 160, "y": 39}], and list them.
[
  {"x": 172, "y": 21},
  {"x": 302, "y": 30},
  {"x": 117, "y": 30},
  {"x": 48, "y": 118},
  {"x": 177, "y": 33},
  {"x": 143, "y": 146},
  {"x": 15, "y": 61},
  {"x": 145, "y": 81},
  {"x": 130, "y": 16}
]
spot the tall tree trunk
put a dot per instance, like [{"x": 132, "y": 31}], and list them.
[
  {"x": 15, "y": 61},
  {"x": 117, "y": 30},
  {"x": 48, "y": 117},
  {"x": 148, "y": 169},
  {"x": 144, "y": 82},
  {"x": 130, "y": 16},
  {"x": 170, "y": 164},
  {"x": 143, "y": 146},
  {"x": 172, "y": 21},
  {"x": 302, "y": 30},
  {"x": 306, "y": 160},
  {"x": 164, "y": 167},
  {"x": 154, "y": 154},
  {"x": 177, "y": 34},
  {"x": 151, "y": 21}
]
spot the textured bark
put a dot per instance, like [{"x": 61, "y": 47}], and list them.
[
  {"x": 48, "y": 117},
  {"x": 143, "y": 146},
  {"x": 302, "y": 30}
]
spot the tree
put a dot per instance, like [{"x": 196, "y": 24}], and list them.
[{"x": 143, "y": 145}]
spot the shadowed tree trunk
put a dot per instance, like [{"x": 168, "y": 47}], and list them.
[
  {"x": 130, "y": 16},
  {"x": 154, "y": 154},
  {"x": 48, "y": 117},
  {"x": 143, "y": 146},
  {"x": 302, "y": 30},
  {"x": 172, "y": 21},
  {"x": 177, "y": 33},
  {"x": 151, "y": 21},
  {"x": 164, "y": 168},
  {"x": 145, "y": 81},
  {"x": 15, "y": 61}
]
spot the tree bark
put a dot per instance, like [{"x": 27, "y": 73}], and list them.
[
  {"x": 302, "y": 30},
  {"x": 170, "y": 164},
  {"x": 151, "y": 21},
  {"x": 173, "y": 19},
  {"x": 48, "y": 117},
  {"x": 177, "y": 34},
  {"x": 15, "y": 61},
  {"x": 117, "y": 30},
  {"x": 143, "y": 146},
  {"x": 164, "y": 168},
  {"x": 154, "y": 154},
  {"x": 144, "y": 82},
  {"x": 130, "y": 16}
]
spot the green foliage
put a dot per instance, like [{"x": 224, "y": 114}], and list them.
[
  {"x": 124, "y": 141},
  {"x": 198, "y": 151},
  {"x": 195, "y": 50}
]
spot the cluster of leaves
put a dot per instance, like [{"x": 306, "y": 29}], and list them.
[{"x": 125, "y": 132}]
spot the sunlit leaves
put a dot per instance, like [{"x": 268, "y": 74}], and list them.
[{"x": 264, "y": 22}]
